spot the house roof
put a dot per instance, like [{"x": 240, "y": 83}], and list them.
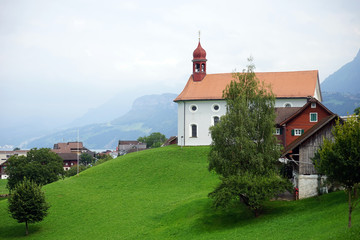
[
  {"x": 130, "y": 142},
  {"x": 283, "y": 113},
  {"x": 68, "y": 156},
  {"x": 67, "y": 147},
  {"x": 301, "y": 109},
  {"x": 323, "y": 122},
  {"x": 296, "y": 84}
]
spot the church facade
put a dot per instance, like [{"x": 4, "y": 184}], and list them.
[{"x": 200, "y": 104}]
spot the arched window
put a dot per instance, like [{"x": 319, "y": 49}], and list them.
[
  {"x": 216, "y": 120},
  {"x": 197, "y": 67},
  {"x": 193, "y": 130}
]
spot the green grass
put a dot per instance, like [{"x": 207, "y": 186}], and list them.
[
  {"x": 162, "y": 194},
  {"x": 3, "y": 189}
]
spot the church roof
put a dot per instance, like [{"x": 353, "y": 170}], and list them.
[{"x": 296, "y": 84}]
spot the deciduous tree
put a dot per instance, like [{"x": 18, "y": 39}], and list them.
[
  {"x": 154, "y": 140},
  {"x": 40, "y": 165},
  {"x": 27, "y": 203},
  {"x": 86, "y": 159},
  {"x": 339, "y": 159},
  {"x": 244, "y": 150}
]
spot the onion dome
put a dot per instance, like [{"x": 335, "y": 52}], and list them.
[{"x": 199, "y": 52}]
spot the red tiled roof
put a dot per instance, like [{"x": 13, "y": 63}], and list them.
[{"x": 284, "y": 85}]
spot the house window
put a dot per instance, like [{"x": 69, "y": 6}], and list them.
[
  {"x": 313, "y": 117},
  {"x": 297, "y": 132},
  {"x": 193, "y": 108},
  {"x": 193, "y": 130},
  {"x": 72, "y": 164},
  {"x": 66, "y": 164},
  {"x": 277, "y": 131},
  {"x": 313, "y": 105},
  {"x": 216, "y": 120}
]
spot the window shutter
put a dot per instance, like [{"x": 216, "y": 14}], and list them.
[
  {"x": 302, "y": 131},
  {"x": 281, "y": 131},
  {"x": 292, "y": 132}
]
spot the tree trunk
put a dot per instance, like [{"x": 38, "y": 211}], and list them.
[
  {"x": 350, "y": 208},
  {"x": 27, "y": 228}
]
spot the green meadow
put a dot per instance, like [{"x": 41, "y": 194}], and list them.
[{"x": 162, "y": 194}]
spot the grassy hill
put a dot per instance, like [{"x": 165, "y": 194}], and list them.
[{"x": 162, "y": 194}]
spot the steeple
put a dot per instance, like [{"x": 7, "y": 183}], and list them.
[{"x": 199, "y": 62}]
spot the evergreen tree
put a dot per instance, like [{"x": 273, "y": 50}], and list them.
[
  {"x": 244, "y": 150},
  {"x": 27, "y": 203},
  {"x": 339, "y": 159}
]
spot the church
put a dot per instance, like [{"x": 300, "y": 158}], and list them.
[{"x": 200, "y": 104}]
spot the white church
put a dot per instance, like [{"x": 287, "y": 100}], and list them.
[{"x": 200, "y": 104}]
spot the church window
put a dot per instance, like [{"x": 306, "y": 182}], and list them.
[
  {"x": 203, "y": 67},
  {"x": 197, "y": 67},
  {"x": 193, "y": 130},
  {"x": 193, "y": 108},
  {"x": 216, "y": 120},
  {"x": 313, "y": 117},
  {"x": 216, "y": 107},
  {"x": 287, "y": 105}
]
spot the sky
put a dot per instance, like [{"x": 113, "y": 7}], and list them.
[{"x": 60, "y": 58}]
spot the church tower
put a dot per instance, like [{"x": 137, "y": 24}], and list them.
[{"x": 199, "y": 63}]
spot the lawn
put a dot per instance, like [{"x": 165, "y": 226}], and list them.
[
  {"x": 162, "y": 194},
  {"x": 3, "y": 189}
]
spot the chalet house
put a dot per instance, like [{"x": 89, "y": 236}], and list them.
[
  {"x": 171, "y": 141},
  {"x": 4, "y": 156},
  {"x": 291, "y": 123},
  {"x": 70, "y": 152},
  {"x": 125, "y": 147},
  {"x": 200, "y": 104}
]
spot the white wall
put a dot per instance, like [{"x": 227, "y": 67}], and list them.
[
  {"x": 203, "y": 118},
  {"x": 295, "y": 102}
]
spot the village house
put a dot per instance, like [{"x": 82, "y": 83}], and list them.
[
  {"x": 70, "y": 152},
  {"x": 4, "y": 156},
  {"x": 125, "y": 147}
]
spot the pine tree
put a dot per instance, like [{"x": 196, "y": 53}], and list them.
[{"x": 244, "y": 151}]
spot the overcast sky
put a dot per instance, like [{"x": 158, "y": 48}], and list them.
[{"x": 59, "y": 58}]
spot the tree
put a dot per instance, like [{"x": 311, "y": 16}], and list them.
[
  {"x": 154, "y": 140},
  {"x": 86, "y": 159},
  {"x": 27, "y": 203},
  {"x": 339, "y": 159},
  {"x": 244, "y": 150},
  {"x": 357, "y": 111},
  {"x": 40, "y": 165},
  {"x": 16, "y": 149}
]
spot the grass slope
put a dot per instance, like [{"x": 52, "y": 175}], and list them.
[{"x": 162, "y": 194}]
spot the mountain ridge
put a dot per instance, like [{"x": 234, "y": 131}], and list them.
[{"x": 149, "y": 113}]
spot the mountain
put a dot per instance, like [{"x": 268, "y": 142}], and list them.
[
  {"x": 149, "y": 113},
  {"x": 341, "y": 103},
  {"x": 346, "y": 79}
]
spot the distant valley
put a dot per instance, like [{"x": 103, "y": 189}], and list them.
[{"x": 150, "y": 113}]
